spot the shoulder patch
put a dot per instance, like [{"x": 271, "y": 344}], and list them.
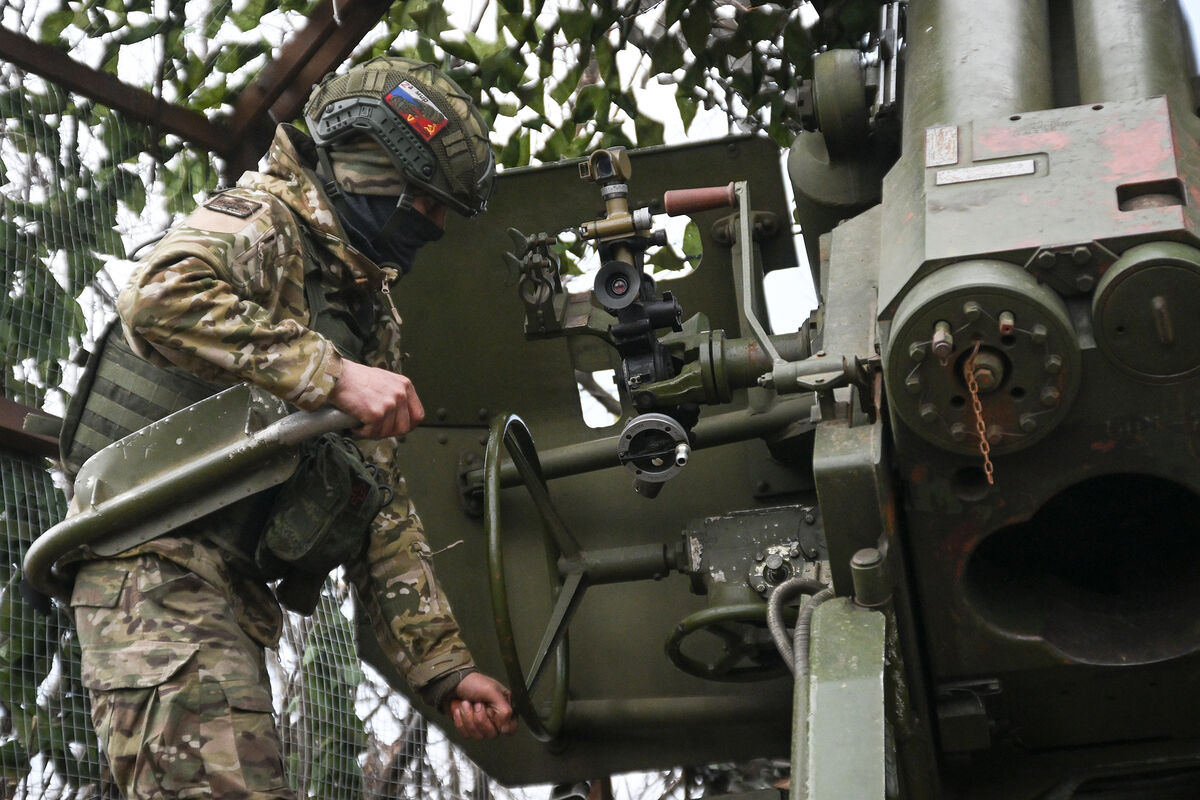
[{"x": 238, "y": 207}]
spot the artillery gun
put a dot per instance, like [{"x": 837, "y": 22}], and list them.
[
  {"x": 977, "y": 458},
  {"x": 983, "y": 439}
]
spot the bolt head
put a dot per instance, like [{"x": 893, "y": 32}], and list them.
[
  {"x": 928, "y": 413},
  {"x": 1085, "y": 282},
  {"x": 1050, "y": 396},
  {"x": 1038, "y": 333},
  {"x": 1028, "y": 423},
  {"x": 1081, "y": 255},
  {"x": 971, "y": 309},
  {"x": 1045, "y": 260},
  {"x": 912, "y": 383},
  {"x": 1053, "y": 363},
  {"x": 916, "y": 351},
  {"x": 958, "y": 431},
  {"x": 986, "y": 377}
]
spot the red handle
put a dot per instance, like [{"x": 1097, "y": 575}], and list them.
[{"x": 685, "y": 201}]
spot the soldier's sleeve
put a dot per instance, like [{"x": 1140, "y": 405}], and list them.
[
  {"x": 221, "y": 297},
  {"x": 410, "y": 613}
]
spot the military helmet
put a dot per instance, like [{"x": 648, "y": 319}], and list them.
[{"x": 421, "y": 118}]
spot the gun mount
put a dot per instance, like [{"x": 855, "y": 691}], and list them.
[{"x": 990, "y": 419}]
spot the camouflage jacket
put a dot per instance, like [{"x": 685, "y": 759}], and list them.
[{"x": 222, "y": 295}]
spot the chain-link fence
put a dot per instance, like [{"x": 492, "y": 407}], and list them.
[{"x": 81, "y": 189}]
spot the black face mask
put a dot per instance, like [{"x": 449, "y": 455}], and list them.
[{"x": 365, "y": 215}]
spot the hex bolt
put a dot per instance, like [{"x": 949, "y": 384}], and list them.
[
  {"x": 994, "y": 434},
  {"x": 988, "y": 371},
  {"x": 1038, "y": 333},
  {"x": 958, "y": 431},
  {"x": 928, "y": 413},
  {"x": 1053, "y": 363},
  {"x": 972, "y": 310},
  {"x": 809, "y": 518},
  {"x": 1028, "y": 423},
  {"x": 1085, "y": 282},
  {"x": 1050, "y": 396},
  {"x": 1081, "y": 255},
  {"x": 1007, "y": 323},
  {"x": 1045, "y": 260},
  {"x": 916, "y": 351},
  {"x": 943, "y": 340},
  {"x": 759, "y": 556},
  {"x": 913, "y": 383}
]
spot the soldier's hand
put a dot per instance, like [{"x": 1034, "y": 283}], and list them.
[
  {"x": 385, "y": 403},
  {"x": 481, "y": 708}
]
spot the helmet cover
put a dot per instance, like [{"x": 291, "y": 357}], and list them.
[{"x": 424, "y": 122}]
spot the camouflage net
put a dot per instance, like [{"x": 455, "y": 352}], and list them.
[{"x": 81, "y": 189}]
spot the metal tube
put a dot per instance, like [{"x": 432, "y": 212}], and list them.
[
  {"x": 968, "y": 60},
  {"x": 1132, "y": 49},
  {"x": 597, "y": 454},
  {"x": 621, "y": 564},
  {"x": 621, "y": 715}
]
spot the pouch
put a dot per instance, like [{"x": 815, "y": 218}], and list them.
[{"x": 320, "y": 518}]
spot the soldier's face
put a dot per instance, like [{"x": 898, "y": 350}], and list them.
[{"x": 432, "y": 208}]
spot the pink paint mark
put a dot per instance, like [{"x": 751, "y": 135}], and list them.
[
  {"x": 1141, "y": 153},
  {"x": 1000, "y": 142},
  {"x": 1104, "y": 447}
]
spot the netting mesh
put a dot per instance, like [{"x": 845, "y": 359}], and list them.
[{"x": 81, "y": 189}]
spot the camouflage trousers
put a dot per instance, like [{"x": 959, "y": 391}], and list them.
[{"x": 180, "y": 696}]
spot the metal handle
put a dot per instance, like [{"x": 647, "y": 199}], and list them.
[{"x": 162, "y": 492}]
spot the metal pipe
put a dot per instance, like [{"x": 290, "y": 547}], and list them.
[
  {"x": 1131, "y": 50},
  {"x": 163, "y": 491},
  {"x": 597, "y": 454},
  {"x": 621, "y": 564},
  {"x": 969, "y": 60},
  {"x": 592, "y": 717}
]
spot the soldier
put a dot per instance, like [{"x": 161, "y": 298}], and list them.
[{"x": 283, "y": 281}]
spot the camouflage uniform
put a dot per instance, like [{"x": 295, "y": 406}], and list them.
[{"x": 173, "y": 631}]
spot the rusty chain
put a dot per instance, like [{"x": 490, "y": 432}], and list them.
[{"x": 985, "y": 449}]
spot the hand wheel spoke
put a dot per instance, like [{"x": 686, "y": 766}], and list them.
[{"x": 568, "y": 600}]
